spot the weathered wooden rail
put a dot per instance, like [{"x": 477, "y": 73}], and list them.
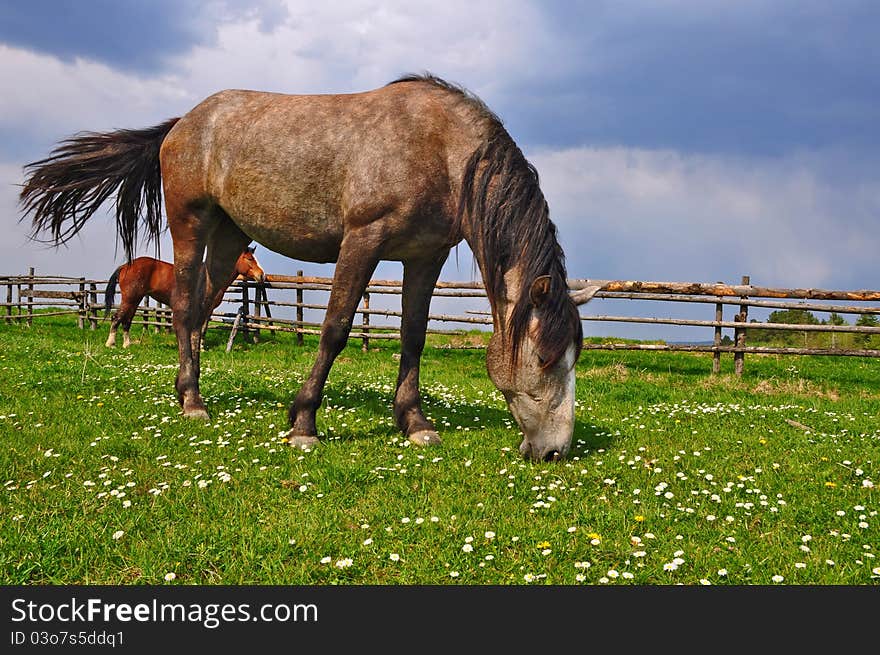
[{"x": 257, "y": 310}]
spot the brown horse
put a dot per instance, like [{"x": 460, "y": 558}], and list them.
[
  {"x": 403, "y": 172},
  {"x": 146, "y": 276}
]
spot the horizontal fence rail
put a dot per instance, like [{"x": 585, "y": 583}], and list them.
[{"x": 251, "y": 307}]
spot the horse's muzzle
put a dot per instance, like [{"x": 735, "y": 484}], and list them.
[{"x": 546, "y": 454}]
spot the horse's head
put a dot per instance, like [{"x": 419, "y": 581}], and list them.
[
  {"x": 537, "y": 376},
  {"x": 248, "y": 266}
]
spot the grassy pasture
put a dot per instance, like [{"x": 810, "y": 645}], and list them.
[{"x": 675, "y": 476}]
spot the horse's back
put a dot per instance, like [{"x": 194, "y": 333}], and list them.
[{"x": 291, "y": 170}]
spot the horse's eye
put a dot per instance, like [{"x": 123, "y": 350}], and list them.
[{"x": 541, "y": 360}]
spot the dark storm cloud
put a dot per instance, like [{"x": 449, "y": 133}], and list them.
[
  {"x": 750, "y": 78},
  {"x": 124, "y": 34}
]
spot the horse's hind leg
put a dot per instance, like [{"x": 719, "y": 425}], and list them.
[
  {"x": 224, "y": 247},
  {"x": 356, "y": 263},
  {"x": 126, "y": 320},
  {"x": 114, "y": 324},
  {"x": 122, "y": 316},
  {"x": 189, "y": 230},
  {"x": 419, "y": 278}
]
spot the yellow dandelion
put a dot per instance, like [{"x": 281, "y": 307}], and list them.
[
  {"x": 639, "y": 518},
  {"x": 594, "y": 535},
  {"x": 544, "y": 544},
  {"x": 831, "y": 484},
  {"x": 762, "y": 441}
]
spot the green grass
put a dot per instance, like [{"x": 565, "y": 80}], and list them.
[{"x": 674, "y": 475}]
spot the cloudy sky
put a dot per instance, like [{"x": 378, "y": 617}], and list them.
[{"x": 679, "y": 140}]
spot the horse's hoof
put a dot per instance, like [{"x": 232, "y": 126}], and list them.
[
  {"x": 302, "y": 442},
  {"x": 197, "y": 412},
  {"x": 425, "y": 438}
]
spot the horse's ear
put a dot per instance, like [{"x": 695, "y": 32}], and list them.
[{"x": 539, "y": 290}]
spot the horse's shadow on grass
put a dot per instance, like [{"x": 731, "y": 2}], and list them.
[
  {"x": 587, "y": 437},
  {"x": 341, "y": 398}
]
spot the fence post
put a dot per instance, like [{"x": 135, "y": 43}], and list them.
[
  {"x": 83, "y": 303},
  {"x": 246, "y": 307},
  {"x": 234, "y": 329},
  {"x": 299, "y": 311},
  {"x": 158, "y": 318},
  {"x": 366, "y": 343},
  {"x": 93, "y": 306},
  {"x": 716, "y": 356},
  {"x": 30, "y": 300},
  {"x": 9, "y": 303},
  {"x": 739, "y": 333},
  {"x": 262, "y": 289},
  {"x": 258, "y": 311}
]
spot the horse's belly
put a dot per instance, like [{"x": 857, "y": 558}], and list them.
[{"x": 297, "y": 238}]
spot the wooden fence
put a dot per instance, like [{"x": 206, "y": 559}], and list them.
[{"x": 259, "y": 307}]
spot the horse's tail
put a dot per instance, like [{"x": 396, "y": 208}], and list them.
[
  {"x": 110, "y": 291},
  {"x": 65, "y": 189}
]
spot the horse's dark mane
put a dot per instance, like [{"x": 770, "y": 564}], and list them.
[
  {"x": 481, "y": 108},
  {"x": 510, "y": 225}
]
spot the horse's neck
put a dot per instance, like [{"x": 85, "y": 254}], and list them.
[
  {"x": 504, "y": 302},
  {"x": 235, "y": 274}
]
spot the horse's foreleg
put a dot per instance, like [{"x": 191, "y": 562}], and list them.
[
  {"x": 356, "y": 263},
  {"x": 419, "y": 278}
]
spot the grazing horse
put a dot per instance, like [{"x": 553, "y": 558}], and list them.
[
  {"x": 403, "y": 172},
  {"x": 146, "y": 276}
]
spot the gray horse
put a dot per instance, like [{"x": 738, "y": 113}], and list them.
[{"x": 403, "y": 172}]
